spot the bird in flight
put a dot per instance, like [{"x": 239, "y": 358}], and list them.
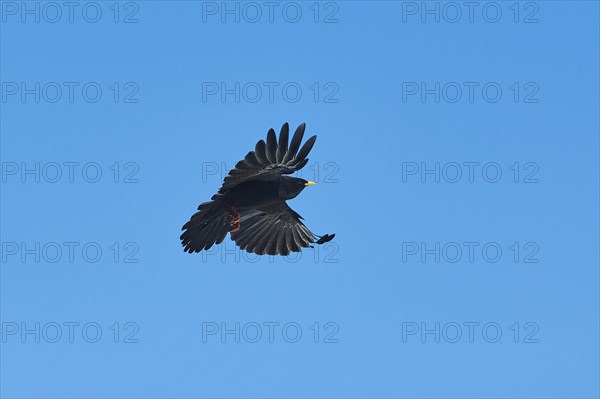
[{"x": 251, "y": 204}]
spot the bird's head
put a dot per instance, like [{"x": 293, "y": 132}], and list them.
[{"x": 292, "y": 186}]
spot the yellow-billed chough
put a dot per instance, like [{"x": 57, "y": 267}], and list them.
[{"x": 251, "y": 203}]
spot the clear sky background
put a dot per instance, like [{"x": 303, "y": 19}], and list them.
[{"x": 457, "y": 163}]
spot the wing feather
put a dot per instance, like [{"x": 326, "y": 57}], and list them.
[
  {"x": 261, "y": 152},
  {"x": 296, "y": 140},
  {"x": 276, "y": 229},
  {"x": 272, "y": 147},
  {"x": 282, "y": 146},
  {"x": 271, "y": 158},
  {"x": 303, "y": 153}
]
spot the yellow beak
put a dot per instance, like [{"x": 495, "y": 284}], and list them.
[{"x": 309, "y": 183}]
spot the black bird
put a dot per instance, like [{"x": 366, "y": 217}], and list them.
[{"x": 251, "y": 203}]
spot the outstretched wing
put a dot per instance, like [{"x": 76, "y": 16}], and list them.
[
  {"x": 274, "y": 229},
  {"x": 272, "y": 158}
]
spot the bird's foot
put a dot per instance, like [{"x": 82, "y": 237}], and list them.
[
  {"x": 235, "y": 220},
  {"x": 325, "y": 238}
]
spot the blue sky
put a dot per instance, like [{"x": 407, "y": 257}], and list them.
[{"x": 457, "y": 163}]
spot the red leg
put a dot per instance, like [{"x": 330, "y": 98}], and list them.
[{"x": 235, "y": 220}]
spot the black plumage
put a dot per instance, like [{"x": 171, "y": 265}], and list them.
[{"x": 251, "y": 203}]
